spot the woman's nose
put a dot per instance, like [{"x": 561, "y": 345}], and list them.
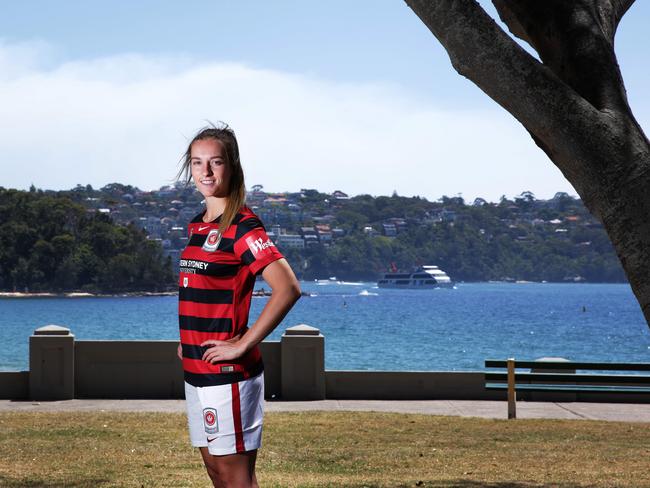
[{"x": 207, "y": 170}]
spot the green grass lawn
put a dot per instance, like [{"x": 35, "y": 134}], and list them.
[{"x": 346, "y": 449}]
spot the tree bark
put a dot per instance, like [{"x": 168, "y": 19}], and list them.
[{"x": 573, "y": 103}]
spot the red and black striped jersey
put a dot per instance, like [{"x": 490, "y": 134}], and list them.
[{"x": 217, "y": 276}]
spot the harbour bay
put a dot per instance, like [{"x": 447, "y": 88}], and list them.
[{"x": 367, "y": 328}]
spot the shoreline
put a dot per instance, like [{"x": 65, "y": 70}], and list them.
[
  {"x": 77, "y": 294},
  {"x": 261, "y": 292}
]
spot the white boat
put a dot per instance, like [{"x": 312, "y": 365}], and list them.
[
  {"x": 331, "y": 280},
  {"x": 427, "y": 276}
]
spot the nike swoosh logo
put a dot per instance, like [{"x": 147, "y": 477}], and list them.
[
  {"x": 203, "y": 228},
  {"x": 210, "y": 440}
]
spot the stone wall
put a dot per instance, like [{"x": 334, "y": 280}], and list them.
[{"x": 294, "y": 369}]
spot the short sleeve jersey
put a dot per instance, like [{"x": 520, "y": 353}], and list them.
[{"x": 217, "y": 276}]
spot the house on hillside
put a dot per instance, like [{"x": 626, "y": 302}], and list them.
[
  {"x": 310, "y": 236},
  {"x": 324, "y": 233},
  {"x": 389, "y": 229},
  {"x": 370, "y": 231}
]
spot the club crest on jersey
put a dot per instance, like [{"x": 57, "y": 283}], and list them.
[
  {"x": 212, "y": 241},
  {"x": 210, "y": 420},
  {"x": 186, "y": 280},
  {"x": 258, "y": 245}
]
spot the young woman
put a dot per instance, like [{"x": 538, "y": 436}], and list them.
[{"x": 227, "y": 248}]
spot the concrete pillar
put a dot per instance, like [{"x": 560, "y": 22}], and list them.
[
  {"x": 303, "y": 363},
  {"x": 51, "y": 363}
]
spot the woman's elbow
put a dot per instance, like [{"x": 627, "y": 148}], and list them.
[{"x": 294, "y": 290}]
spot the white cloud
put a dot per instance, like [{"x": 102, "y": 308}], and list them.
[{"x": 128, "y": 118}]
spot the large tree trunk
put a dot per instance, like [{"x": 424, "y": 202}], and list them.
[{"x": 573, "y": 103}]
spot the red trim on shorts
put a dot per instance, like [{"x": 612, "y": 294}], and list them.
[{"x": 236, "y": 417}]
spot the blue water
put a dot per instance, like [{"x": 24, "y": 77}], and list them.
[{"x": 428, "y": 330}]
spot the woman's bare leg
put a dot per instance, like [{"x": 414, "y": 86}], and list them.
[{"x": 231, "y": 470}]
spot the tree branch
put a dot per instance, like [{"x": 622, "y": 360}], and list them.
[
  {"x": 576, "y": 41},
  {"x": 610, "y": 13},
  {"x": 619, "y": 7},
  {"x": 573, "y": 105},
  {"x": 482, "y": 52}
]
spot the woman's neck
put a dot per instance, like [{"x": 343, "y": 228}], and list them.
[{"x": 214, "y": 207}]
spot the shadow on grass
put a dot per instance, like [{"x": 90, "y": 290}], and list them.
[
  {"x": 492, "y": 484},
  {"x": 463, "y": 483},
  {"x": 37, "y": 482}
]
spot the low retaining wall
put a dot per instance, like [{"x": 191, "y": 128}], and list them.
[
  {"x": 408, "y": 385},
  {"x": 63, "y": 368},
  {"x": 294, "y": 369},
  {"x": 14, "y": 385},
  {"x": 127, "y": 369}
]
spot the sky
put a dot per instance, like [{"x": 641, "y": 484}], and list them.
[{"x": 352, "y": 96}]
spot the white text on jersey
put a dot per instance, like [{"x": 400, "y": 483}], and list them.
[{"x": 257, "y": 245}]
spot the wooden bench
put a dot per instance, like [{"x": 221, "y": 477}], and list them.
[{"x": 620, "y": 384}]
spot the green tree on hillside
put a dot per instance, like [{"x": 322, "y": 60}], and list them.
[{"x": 50, "y": 243}]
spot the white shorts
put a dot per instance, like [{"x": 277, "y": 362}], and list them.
[{"x": 227, "y": 419}]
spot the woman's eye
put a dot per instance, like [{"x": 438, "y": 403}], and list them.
[{"x": 216, "y": 162}]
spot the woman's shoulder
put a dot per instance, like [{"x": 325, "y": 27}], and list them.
[
  {"x": 247, "y": 220},
  {"x": 245, "y": 213}
]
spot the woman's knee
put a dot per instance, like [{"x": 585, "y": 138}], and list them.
[
  {"x": 216, "y": 479},
  {"x": 212, "y": 468},
  {"x": 233, "y": 471}
]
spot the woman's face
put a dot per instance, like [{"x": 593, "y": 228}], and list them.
[{"x": 210, "y": 172}]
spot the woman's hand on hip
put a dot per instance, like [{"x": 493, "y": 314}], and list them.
[{"x": 222, "y": 350}]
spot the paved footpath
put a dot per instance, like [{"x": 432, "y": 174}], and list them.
[{"x": 466, "y": 408}]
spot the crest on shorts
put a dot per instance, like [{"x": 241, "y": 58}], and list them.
[
  {"x": 210, "y": 420},
  {"x": 212, "y": 241},
  {"x": 186, "y": 280}
]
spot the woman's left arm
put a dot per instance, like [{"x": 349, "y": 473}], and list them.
[{"x": 285, "y": 291}]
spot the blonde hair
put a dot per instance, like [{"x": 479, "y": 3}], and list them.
[{"x": 236, "y": 187}]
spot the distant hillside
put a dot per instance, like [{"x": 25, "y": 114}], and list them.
[
  {"x": 359, "y": 237},
  {"x": 50, "y": 243},
  {"x": 525, "y": 239}
]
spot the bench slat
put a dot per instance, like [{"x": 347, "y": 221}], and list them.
[
  {"x": 572, "y": 378},
  {"x": 498, "y": 363},
  {"x": 570, "y": 388}
]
